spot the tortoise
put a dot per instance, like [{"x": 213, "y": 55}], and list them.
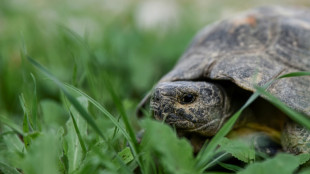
[{"x": 224, "y": 62}]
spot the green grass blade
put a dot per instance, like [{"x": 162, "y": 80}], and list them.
[
  {"x": 26, "y": 124},
  {"x": 132, "y": 141},
  {"x": 11, "y": 124},
  {"x": 295, "y": 74},
  {"x": 76, "y": 131},
  {"x": 79, "y": 135},
  {"x": 294, "y": 115},
  {"x": 12, "y": 141},
  {"x": 34, "y": 104},
  {"x": 72, "y": 100},
  {"x": 5, "y": 169},
  {"x": 122, "y": 111},
  {"x": 26, "y": 139},
  {"x": 101, "y": 108},
  {"x": 26, "y": 113},
  {"x": 204, "y": 156},
  {"x": 216, "y": 160},
  {"x": 231, "y": 167},
  {"x": 110, "y": 116}
]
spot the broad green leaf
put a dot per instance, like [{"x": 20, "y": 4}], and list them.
[
  {"x": 63, "y": 158},
  {"x": 126, "y": 155},
  {"x": 5, "y": 121},
  {"x": 53, "y": 115},
  {"x": 206, "y": 154},
  {"x": 42, "y": 156},
  {"x": 119, "y": 105},
  {"x": 12, "y": 141},
  {"x": 303, "y": 158},
  {"x": 5, "y": 169},
  {"x": 239, "y": 149},
  {"x": 176, "y": 155},
  {"x": 99, "y": 159},
  {"x": 282, "y": 163},
  {"x": 75, "y": 134},
  {"x": 305, "y": 171}
]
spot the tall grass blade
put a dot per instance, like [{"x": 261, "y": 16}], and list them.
[
  {"x": 72, "y": 100},
  {"x": 110, "y": 116},
  {"x": 34, "y": 104},
  {"x": 12, "y": 141},
  {"x": 101, "y": 108},
  {"x": 107, "y": 114},
  {"x": 231, "y": 167},
  {"x": 217, "y": 160},
  {"x": 26, "y": 123},
  {"x": 204, "y": 156},
  {"x": 294, "y": 115},
  {"x": 295, "y": 74},
  {"x": 120, "y": 108},
  {"x": 11, "y": 124}
]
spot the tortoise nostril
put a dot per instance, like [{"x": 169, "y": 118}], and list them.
[{"x": 157, "y": 98}]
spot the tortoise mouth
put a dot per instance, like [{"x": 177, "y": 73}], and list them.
[{"x": 202, "y": 127}]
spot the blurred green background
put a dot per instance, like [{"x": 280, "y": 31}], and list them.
[{"x": 133, "y": 42}]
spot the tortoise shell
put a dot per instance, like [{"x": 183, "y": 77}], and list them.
[{"x": 253, "y": 48}]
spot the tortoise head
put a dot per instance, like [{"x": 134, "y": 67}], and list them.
[{"x": 199, "y": 107}]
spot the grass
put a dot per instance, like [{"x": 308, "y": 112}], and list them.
[{"x": 68, "y": 97}]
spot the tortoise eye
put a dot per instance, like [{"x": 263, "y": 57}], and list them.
[{"x": 188, "y": 98}]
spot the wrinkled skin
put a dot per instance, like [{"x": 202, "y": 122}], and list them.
[{"x": 199, "y": 107}]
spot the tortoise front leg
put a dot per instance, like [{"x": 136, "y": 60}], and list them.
[{"x": 295, "y": 138}]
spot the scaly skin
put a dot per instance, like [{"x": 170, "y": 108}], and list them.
[
  {"x": 204, "y": 115},
  {"x": 296, "y": 139},
  {"x": 210, "y": 105}
]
